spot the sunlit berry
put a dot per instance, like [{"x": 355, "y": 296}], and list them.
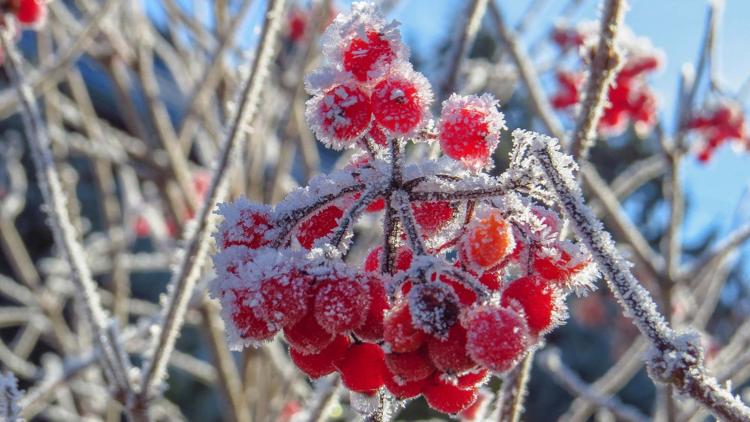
[
  {"x": 322, "y": 363},
  {"x": 561, "y": 264},
  {"x": 339, "y": 116},
  {"x": 249, "y": 325},
  {"x": 472, "y": 378},
  {"x": 285, "y": 298},
  {"x": 431, "y": 216},
  {"x": 488, "y": 240},
  {"x": 469, "y": 129},
  {"x": 365, "y": 54},
  {"x": 496, "y": 337},
  {"x": 245, "y": 224}
]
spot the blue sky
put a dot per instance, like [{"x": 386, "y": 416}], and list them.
[{"x": 676, "y": 26}]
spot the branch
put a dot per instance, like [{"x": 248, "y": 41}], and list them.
[
  {"x": 188, "y": 270},
  {"x": 513, "y": 391},
  {"x": 604, "y": 66}
]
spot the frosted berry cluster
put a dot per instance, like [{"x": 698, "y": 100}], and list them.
[
  {"x": 722, "y": 122},
  {"x": 470, "y": 272},
  {"x": 630, "y": 99}
]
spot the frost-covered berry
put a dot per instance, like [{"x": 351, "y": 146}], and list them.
[
  {"x": 322, "y": 363},
  {"x": 341, "y": 304},
  {"x": 496, "y": 337},
  {"x": 319, "y": 225},
  {"x": 401, "y": 102},
  {"x": 434, "y": 308},
  {"x": 307, "y": 336},
  {"x": 432, "y": 216},
  {"x": 365, "y": 55},
  {"x": 362, "y": 368},
  {"x": 402, "y": 262},
  {"x": 30, "y": 12},
  {"x": 410, "y": 366},
  {"x": 469, "y": 129},
  {"x": 537, "y": 300},
  {"x": 466, "y": 296},
  {"x": 446, "y": 397},
  {"x": 399, "y": 332},
  {"x": 488, "y": 240},
  {"x": 245, "y": 224},
  {"x": 402, "y": 389},
  {"x": 248, "y": 324},
  {"x": 472, "y": 378},
  {"x": 285, "y": 298},
  {"x": 449, "y": 354},
  {"x": 562, "y": 264},
  {"x": 339, "y": 116},
  {"x": 372, "y": 329}
]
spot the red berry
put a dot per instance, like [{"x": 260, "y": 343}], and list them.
[
  {"x": 496, "y": 338},
  {"x": 488, "y": 240},
  {"x": 477, "y": 409},
  {"x": 402, "y": 389},
  {"x": 322, "y": 363},
  {"x": 296, "y": 23},
  {"x": 372, "y": 329},
  {"x": 30, "y": 12},
  {"x": 339, "y": 116},
  {"x": 378, "y": 136},
  {"x": 492, "y": 280},
  {"x": 449, "y": 355},
  {"x": 399, "y": 331},
  {"x": 321, "y": 224},
  {"x": 307, "y": 336},
  {"x": 249, "y": 325},
  {"x": 245, "y": 224},
  {"x": 402, "y": 262},
  {"x": 434, "y": 308},
  {"x": 432, "y": 216},
  {"x": 562, "y": 264},
  {"x": 401, "y": 102},
  {"x": 365, "y": 54},
  {"x": 285, "y": 298},
  {"x": 536, "y": 298},
  {"x": 465, "y": 294},
  {"x": 469, "y": 129},
  {"x": 341, "y": 304},
  {"x": 447, "y": 398},
  {"x": 472, "y": 378},
  {"x": 362, "y": 368},
  {"x": 410, "y": 366}
]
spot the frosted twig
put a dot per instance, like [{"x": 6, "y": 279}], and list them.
[
  {"x": 59, "y": 219},
  {"x": 718, "y": 252},
  {"x": 551, "y": 362},
  {"x": 604, "y": 66},
  {"x": 512, "y": 392},
  {"x": 674, "y": 359},
  {"x": 465, "y": 33},
  {"x": 326, "y": 393},
  {"x": 188, "y": 270},
  {"x": 9, "y": 398}
]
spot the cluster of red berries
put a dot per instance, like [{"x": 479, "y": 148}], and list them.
[
  {"x": 458, "y": 290},
  {"x": 29, "y": 13},
  {"x": 630, "y": 99},
  {"x": 722, "y": 123}
]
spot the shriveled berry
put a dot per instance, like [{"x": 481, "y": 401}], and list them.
[
  {"x": 402, "y": 389},
  {"x": 307, "y": 336},
  {"x": 434, "y": 308},
  {"x": 432, "y": 216},
  {"x": 537, "y": 300},
  {"x": 372, "y": 329},
  {"x": 365, "y": 54},
  {"x": 321, "y": 224},
  {"x": 362, "y": 368},
  {"x": 496, "y": 338},
  {"x": 339, "y": 116},
  {"x": 410, "y": 366},
  {"x": 319, "y": 364},
  {"x": 446, "y": 397},
  {"x": 401, "y": 102},
  {"x": 489, "y": 240},
  {"x": 449, "y": 354},
  {"x": 341, "y": 304},
  {"x": 469, "y": 129},
  {"x": 399, "y": 331}
]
